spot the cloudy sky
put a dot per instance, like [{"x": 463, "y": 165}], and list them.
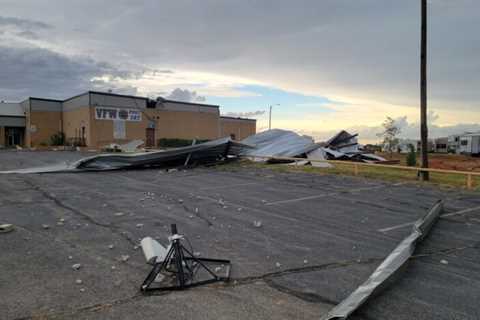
[{"x": 329, "y": 64}]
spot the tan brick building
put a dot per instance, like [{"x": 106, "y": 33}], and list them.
[{"x": 95, "y": 119}]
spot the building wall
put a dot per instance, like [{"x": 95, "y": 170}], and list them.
[
  {"x": 44, "y": 124},
  {"x": 186, "y": 125},
  {"x": 170, "y": 119},
  {"x": 44, "y": 119},
  {"x": 241, "y": 128},
  {"x": 102, "y": 130},
  {"x": 73, "y": 121}
]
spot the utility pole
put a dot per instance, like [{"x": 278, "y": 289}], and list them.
[
  {"x": 270, "y": 117},
  {"x": 423, "y": 92}
]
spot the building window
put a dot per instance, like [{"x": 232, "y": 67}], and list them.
[{"x": 464, "y": 142}]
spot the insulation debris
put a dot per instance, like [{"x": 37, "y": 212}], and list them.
[
  {"x": 131, "y": 146},
  {"x": 390, "y": 266},
  {"x": 210, "y": 152}
]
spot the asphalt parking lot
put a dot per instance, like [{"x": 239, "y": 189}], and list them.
[{"x": 320, "y": 237}]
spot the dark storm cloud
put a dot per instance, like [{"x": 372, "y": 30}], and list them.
[
  {"x": 41, "y": 72},
  {"x": 25, "y": 24},
  {"x": 365, "y": 49}
]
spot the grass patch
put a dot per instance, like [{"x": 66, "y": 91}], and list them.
[{"x": 387, "y": 174}]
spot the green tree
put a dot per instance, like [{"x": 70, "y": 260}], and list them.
[
  {"x": 411, "y": 156},
  {"x": 389, "y": 135}
]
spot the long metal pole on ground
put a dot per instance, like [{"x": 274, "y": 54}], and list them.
[{"x": 423, "y": 92}]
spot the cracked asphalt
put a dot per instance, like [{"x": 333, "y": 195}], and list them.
[{"x": 319, "y": 239}]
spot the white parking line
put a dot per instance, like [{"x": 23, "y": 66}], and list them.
[
  {"x": 230, "y": 186},
  {"x": 446, "y": 215},
  {"x": 323, "y": 195}
]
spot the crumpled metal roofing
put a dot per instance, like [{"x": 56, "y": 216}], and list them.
[
  {"x": 390, "y": 266},
  {"x": 279, "y": 143},
  {"x": 204, "y": 153}
]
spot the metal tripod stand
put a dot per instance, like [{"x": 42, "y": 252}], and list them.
[{"x": 184, "y": 268}]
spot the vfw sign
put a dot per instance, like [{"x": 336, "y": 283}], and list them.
[{"x": 102, "y": 113}]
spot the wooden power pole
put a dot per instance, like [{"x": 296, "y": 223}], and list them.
[{"x": 423, "y": 92}]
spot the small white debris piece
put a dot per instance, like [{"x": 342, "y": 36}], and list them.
[
  {"x": 225, "y": 207},
  {"x": 4, "y": 228},
  {"x": 214, "y": 218},
  {"x": 257, "y": 224},
  {"x": 217, "y": 269},
  {"x": 113, "y": 267},
  {"x": 196, "y": 210},
  {"x": 59, "y": 223},
  {"x": 104, "y": 205},
  {"x": 139, "y": 225},
  {"x": 78, "y": 281},
  {"x": 197, "y": 254},
  {"x": 264, "y": 201},
  {"x": 135, "y": 247},
  {"x": 443, "y": 261},
  {"x": 191, "y": 216},
  {"x": 82, "y": 289},
  {"x": 62, "y": 220},
  {"x": 70, "y": 257},
  {"x": 45, "y": 226},
  {"x": 180, "y": 200},
  {"x": 305, "y": 261},
  {"x": 118, "y": 214},
  {"x": 76, "y": 266},
  {"x": 277, "y": 264},
  {"x": 221, "y": 202},
  {"x": 111, "y": 246},
  {"x": 172, "y": 170},
  {"x": 124, "y": 258},
  {"x": 239, "y": 209}
]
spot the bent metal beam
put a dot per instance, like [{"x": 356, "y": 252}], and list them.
[{"x": 389, "y": 267}]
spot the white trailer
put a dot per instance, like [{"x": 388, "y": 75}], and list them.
[{"x": 470, "y": 144}]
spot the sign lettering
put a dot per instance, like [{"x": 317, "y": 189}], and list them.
[{"x": 104, "y": 113}]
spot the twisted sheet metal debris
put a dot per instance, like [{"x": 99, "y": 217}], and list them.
[
  {"x": 279, "y": 143},
  {"x": 283, "y": 143},
  {"x": 205, "y": 153},
  {"x": 391, "y": 265}
]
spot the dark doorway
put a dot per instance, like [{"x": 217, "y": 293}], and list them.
[
  {"x": 150, "y": 138},
  {"x": 14, "y": 136}
]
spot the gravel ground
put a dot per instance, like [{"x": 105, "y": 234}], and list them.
[{"x": 320, "y": 237}]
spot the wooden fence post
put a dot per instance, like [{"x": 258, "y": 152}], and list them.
[{"x": 469, "y": 182}]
